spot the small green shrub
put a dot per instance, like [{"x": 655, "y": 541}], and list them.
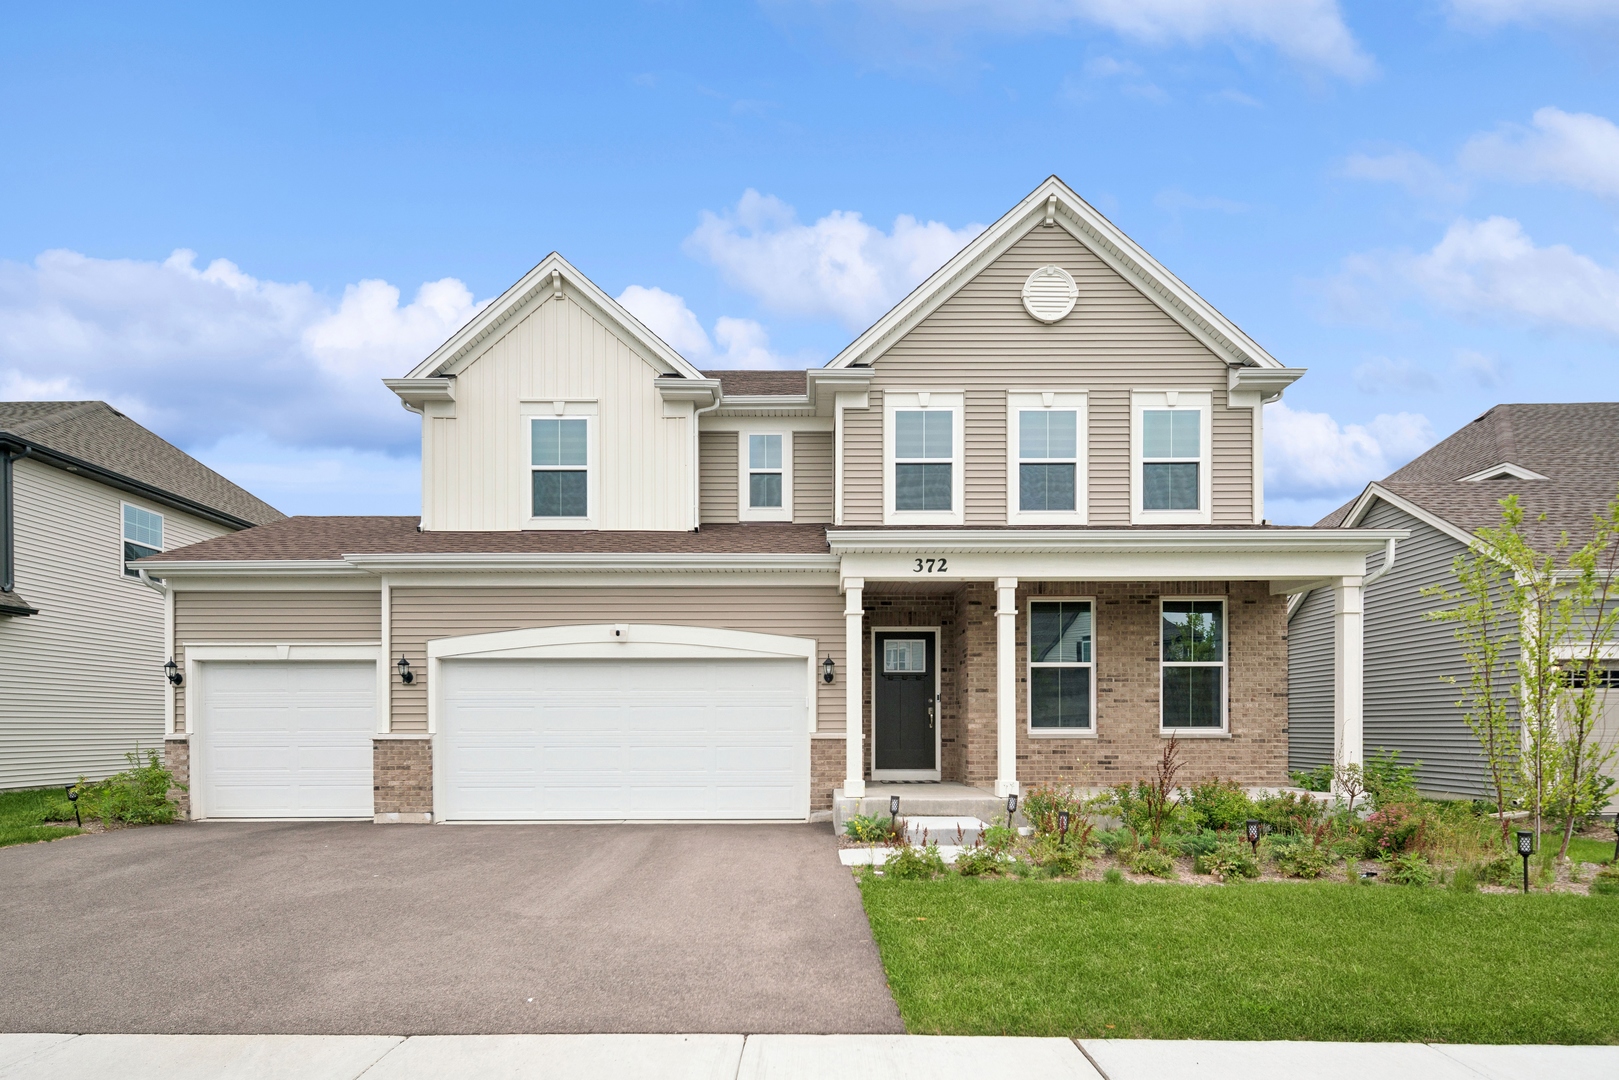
[
  {"x": 981, "y": 862},
  {"x": 1194, "y": 844},
  {"x": 1387, "y": 781},
  {"x": 868, "y": 828},
  {"x": 138, "y": 796},
  {"x": 1316, "y": 779},
  {"x": 1302, "y": 859},
  {"x": 911, "y": 863},
  {"x": 1230, "y": 861},
  {"x": 1154, "y": 861},
  {"x": 1219, "y": 804},
  {"x": 1606, "y": 882},
  {"x": 1500, "y": 870},
  {"x": 1393, "y": 830},
  {"x": 1059, "y": 857},
  {"x": 1042, "y": 804},
  {"x": 1288, "y": 812},
  {"x": 1410, "y": 868},
  {"x": 1464, "y": 879},
  {"x": 1112, "y": 876},
  {"x": 999, "y": 838},
  {"x": 1115, "y": 841}
]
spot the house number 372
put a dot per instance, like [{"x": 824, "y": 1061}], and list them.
[{"x": 930, "y": 566}]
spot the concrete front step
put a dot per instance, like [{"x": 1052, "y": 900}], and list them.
[{"x": 922, "y": 801}]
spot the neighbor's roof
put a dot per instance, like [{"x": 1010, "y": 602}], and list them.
[
  {"x": 98, "y": 435},
  {"x": 313, "y": 538},
  {"x": 759, "y": 383},
  {"x": 1573, "y": 447}
]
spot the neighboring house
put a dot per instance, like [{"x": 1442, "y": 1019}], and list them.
[
  {"x": 1013, "y": 533},
  {"x": 84, "y": 490},
  {"x": 1562, "y": 461}
]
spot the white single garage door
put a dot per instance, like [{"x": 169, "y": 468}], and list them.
[
  {"x": 286, "y": 739},
  {"x": 532, "y": 740}
]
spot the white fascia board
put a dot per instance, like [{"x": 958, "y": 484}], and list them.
[
  {"x": 1375, "y": 492},
  {"x": 415, "y": 394},
  {"x": 446, "y": 358},
  {"x": 1251, "y": 387},
  {"x": 184, "y": 573},
  {"x": 1061, "y": 542},
  {"x": 584, "y": 562},
  {"x": 1096, "y": 232},
  {"x": 823, "y": 385},
  {"x": 700, "y": 392}
]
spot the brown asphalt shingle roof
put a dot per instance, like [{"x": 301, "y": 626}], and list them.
[
  {"x": 334, "y": 537},
  {"x": 95, "y": 432},
  {"x": 749, "y": 383}
]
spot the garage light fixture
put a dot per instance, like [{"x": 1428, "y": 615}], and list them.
[
  {"x": 171, "y": 671},
  {"x": 406, "y": 675},
  {"x": 828, "y": 670}
]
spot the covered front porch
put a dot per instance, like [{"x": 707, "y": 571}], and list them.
[{"x": 990, "y": 660}]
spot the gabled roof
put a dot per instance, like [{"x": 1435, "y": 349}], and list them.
[
  {"x": 556, "y": 274},
  {"x": 93, "y": 438},
  {"x": 1055, "y": 202}
]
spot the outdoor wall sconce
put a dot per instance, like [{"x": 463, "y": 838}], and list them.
[
  {"x": 406, "y": 675},
  {"x": 171, "y": 671},
  {"x": 1526, "y": 848},
  {"x": 1253, "y": 835},
  {"x": 828, "y": 670}
]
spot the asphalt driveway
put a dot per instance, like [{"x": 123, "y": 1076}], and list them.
[{"x": 326, "y": 927}]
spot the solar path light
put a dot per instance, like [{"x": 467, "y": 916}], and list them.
[
  {"x": 1253, "y": 835},
  {"x": 893, "y": 806},
  {"x": 1526, "y": 848},
  {"x": 1062, "y": 825},
  {"x": 73, "y": 797},
  {"x": 1011, "y": 808}
]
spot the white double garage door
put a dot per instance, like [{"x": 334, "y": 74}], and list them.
[{"x": 518, "y": 738}]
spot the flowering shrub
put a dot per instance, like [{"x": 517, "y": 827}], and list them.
[{"x": 1393, "y": 830}]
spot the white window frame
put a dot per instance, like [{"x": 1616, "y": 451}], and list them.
[
  {"x": 1224, "y": 664},
  {"x": 561, "y": 410},
  {"x": 124, "y": 570},
  {"x": 744, "y": 469},
  {"x": 1020, "y": 401},
  {"x": 1029, "y": 665},
  {"x": 956, "y": 402},
  {"x": 1203, "y": 402}
]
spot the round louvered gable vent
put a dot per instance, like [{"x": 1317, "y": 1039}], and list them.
[{"x": 1049, "y": 294}]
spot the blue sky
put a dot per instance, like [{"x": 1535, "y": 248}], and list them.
[{"x": 231, "y": 221}]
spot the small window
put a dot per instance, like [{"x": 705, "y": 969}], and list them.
[
  {"x": 764, "y": 471},
  {"x": 924, "y": 459},
  {"x": 1193, "y": 661},
  {"x": 143, "y": 536},
  {"x": 1171, "y": 457},
  {"x": 559, "y": 457},
  {"x": 905, "y": 655},
  {"x": 1060, "y": 665},
  {"x": 1047, "y": 459}
]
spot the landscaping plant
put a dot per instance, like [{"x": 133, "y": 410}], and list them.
[
  {"x": 911, "y": 863},
  {"x": 1154, "y": 861},
  {"x": 1232, "y": 860},
  {"x": 868, "y": 828},
  {"x": 1219, "y": 805},
  {"x": 137, "y": 796}
]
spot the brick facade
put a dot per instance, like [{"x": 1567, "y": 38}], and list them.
[
  {"x": 177, "y": 759},
  {"x": 826, "y": 771},
  {"x": 402, "y": 779}
]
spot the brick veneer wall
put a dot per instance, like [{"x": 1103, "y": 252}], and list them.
[
  {"x": 402, "y": 779},
  {"x": 177, "y": 759},
  {"x": 943, "y": 611},
  {"x": 1127, "y": 742},
  {"x": 826, "y": 771}
]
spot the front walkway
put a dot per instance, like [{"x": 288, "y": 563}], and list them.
[{"x": 772, "y": 1057}]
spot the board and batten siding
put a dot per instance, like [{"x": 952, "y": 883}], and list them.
[
  {"x": 81, "y": 682},
  {"x": 981, "y": 341},
  {"x": 812, "y": 476},
  {"x": 717, "y": 458},
  {"x": 420, "y": 615},
  {"x": 475, "y": 466},
  {"x": 270, "y": 618}
]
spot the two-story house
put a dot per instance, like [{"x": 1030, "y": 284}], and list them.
[{"x": 1012, "y": 533}]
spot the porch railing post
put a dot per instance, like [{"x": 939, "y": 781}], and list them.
[
  {"x": 854, "y": 771},
  {"x": 1006, "y": 687}
]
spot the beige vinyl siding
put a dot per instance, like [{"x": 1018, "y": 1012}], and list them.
[
  {"x": 981, "y": 341},
  {"x": 717, "y": 452},
  {"x": 422, "y": 614},
  {"x": 475, "y": 469},
  {"x": 812, "y": 476},
  {"x": 81, "y": 683},
  {"x": 270, "y": 618}
]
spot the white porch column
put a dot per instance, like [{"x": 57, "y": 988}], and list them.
[
  {"x": 1348, "y": 673},
  {"x": 854, "y": 771},
  {"x": 1006, "y": 687}
]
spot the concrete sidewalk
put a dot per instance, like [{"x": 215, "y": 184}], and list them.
[{"x": 772, "y": 1057}]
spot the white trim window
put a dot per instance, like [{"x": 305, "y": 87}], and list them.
[
  {"x": 1046, "y": 466},
  {"x": 1171, "y": 452},
  {"x": 1062, "y": 675},
  {"x": 766, "y": 474},
  {"x": 143, "y": 536},
  {"x": 1193, "y": 662},
  {"x": 922, "y": 437},
  {"x": 559, "y": 464}
]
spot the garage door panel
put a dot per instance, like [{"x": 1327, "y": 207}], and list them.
[{"x": 626, "y": 738}]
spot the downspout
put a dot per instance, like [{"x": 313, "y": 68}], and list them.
[
  {"x": 8, "y": 532},
  {"x": 1388, "y": 563}
]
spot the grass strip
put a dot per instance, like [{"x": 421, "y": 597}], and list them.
[
  {"x": 23, "y": 815},
  {"x": 1256, "y": 961}
]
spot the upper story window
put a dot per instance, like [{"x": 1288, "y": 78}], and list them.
[
  {"x": 923, "y": 439},
  {"x": 143, "y": 536},
  {"x": 1171, "y": 441},
  {"x": 1192, "y": 658},
  {"x": 765, "y": 473},
  {"x": 1046, "y": 462},
  {"x": 560, "y": 463}
]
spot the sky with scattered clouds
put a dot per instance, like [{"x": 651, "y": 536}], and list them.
[{"x": 232, "y": 222}]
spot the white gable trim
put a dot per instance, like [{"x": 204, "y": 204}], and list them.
[
  {"x": 1373, "y": 492},
  {"x": 553, "y": 277},
  {"x": 1506, "y": 468},
  {"x": 1055, "y": 202}
]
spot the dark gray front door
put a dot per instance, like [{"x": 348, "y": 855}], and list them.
[{"x": 904, "y": 709}]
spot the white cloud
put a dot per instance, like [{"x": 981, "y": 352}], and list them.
[
  {"x": 1580, "y": 150},
  {"x": 742, "y": 343},
  {"x": 838, "y": 267},
  {"x": 1409, "y": 169},
  {"x": 1310, "y": 32},
  {"x": 1486, "y": 371},
  {"x": 1311, "y": 454},
  {"x": 1381, "y": 374},
  {"x": 1496, "y": 12}
]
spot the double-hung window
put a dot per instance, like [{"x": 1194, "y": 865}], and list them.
[
  {"x": 143, "y": 536},
  {"x": 1061, "y": 679},
  {"x": 764, "y": 472},
  {"x": 560, "y": 464},
  {"x": 924, "y": 459},
  {"x": 1045, "y": 458},
  {"x": 1172, "y": 441},
  {"x": 1193, "y": 662}
]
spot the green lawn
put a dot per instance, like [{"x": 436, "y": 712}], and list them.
[
  {"x": 23, "y": 813},
  {"x": 1580, "y": 848},
  {"x": 1253, "y": 961}
]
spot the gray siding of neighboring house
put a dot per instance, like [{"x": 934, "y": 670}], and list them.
[{"x": 1309, "y": 683}]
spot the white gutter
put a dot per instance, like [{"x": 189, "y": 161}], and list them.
[
  {"x": 566, "y": 562},
  {"x": 1054, "y": 541}
]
